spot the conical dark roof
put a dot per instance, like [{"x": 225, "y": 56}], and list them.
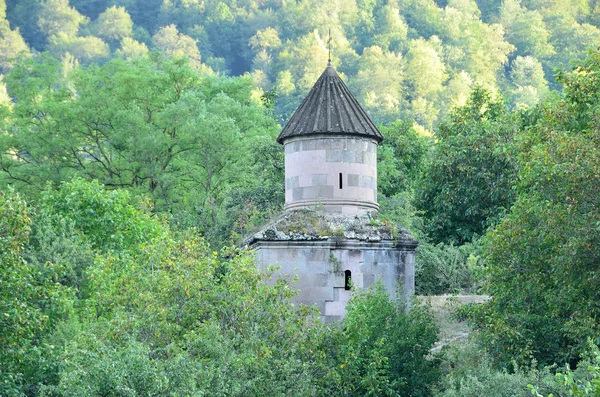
[{"x": 329, "y": 108}]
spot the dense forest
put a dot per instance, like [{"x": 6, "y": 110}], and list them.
[{"x": 137, "y": 150}]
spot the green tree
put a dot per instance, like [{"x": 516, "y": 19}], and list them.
[
  {"x": 24, "y": 15},
  {"x": 473, "y": 46},
  {"x": 528, "y": 82},
  {"x": 425, "y": 70},
  {"x": 57, "y": 17},
  {"x": 571, "y": 39},
  {"x": 378, "y": 81},
  {"x": 526, "y": 30},
  {"x": 152, "y": 126},
  {"x": 467, "y": 185},
  {"x": 381, "y": 349},
  {"x": 90, "y": 8},
  {"x": 31, "y": 302},
  {"x": 131, "y": 49},
  {"x": 87, "y": 49},
  {"x": 161, "y": 313},
  {"x": 584, "y": 381},
  {"x": 12, "y": 46},
  {"x": 401, "y": 157},
  {"x": 542, "y": 258},
  {"x": 114, "y": 24},
  {"x": 457, "y": 92},
  {"x": 391, "y": 30},
  {"x": 423, "y": 15},
  {"x": 171, "y": 42}
]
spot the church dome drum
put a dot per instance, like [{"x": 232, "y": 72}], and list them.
[{"x": 330, "y": 151}]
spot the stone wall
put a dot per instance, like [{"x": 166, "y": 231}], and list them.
[
  {"x": 336, "y": 172},
  {"x": 320, "y": 267}
]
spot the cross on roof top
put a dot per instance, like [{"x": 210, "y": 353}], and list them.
[{"x": 329, "y": 44}]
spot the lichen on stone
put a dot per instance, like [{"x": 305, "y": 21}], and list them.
[{"x": 309, "y": 224}]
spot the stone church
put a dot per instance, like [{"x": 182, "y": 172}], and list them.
[{"x": 329, "y": 235}]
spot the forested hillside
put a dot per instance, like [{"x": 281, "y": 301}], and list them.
[
  {"x": 137, "y": 148},
  {"x": 402, "y": 58}
]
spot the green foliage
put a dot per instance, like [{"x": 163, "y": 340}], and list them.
[
  {"x": 468, "y": 183},
  {"x": 172, "y": 43},
  {"x": 153, "y": 126},
  {"x": 526, "y": 30},
  {"x": 108, "y": 219},
  {"x": 88, "y": 49},
  {"x": 382, "y": 349},
  {"x": 31, "y": 302},
  {"x": 469, "y": 371},
  {"x": 114, "y": 24},
  {"x": 12, "y": 46},
  {"x": 529, "y": 84},
  {"x": 156, "y": 311},
  {"x": 131, "y": 49},
  {"x": 152, "y": 311},
  {"x": 443, "y": 269},
  {"x": 400, "y": 210},
  {"x": 106, "y": 299},
  {"x": 584, "y": 381},
  {"x": 542, "y": 258},
  {"x": 401, "y": 157},
  {"x": 57, "y": 17},
  {"x": 403, "y": 58}
]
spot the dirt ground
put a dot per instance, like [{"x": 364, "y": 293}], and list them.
[{"x": 443, "y": 307}]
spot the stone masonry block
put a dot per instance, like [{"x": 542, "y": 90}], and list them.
[
  {"x": 353, "y": 179},
  {"x": 365, "y": 181},
  {"x": 318, "y": 266},
  {"x": 325, "y": 191},
  {"x": 335, "y": 309},
  {"x": 310, "y": 144},
  {"x": 287, "y": 255},
  {"x": 319, "y": 179},
  {"x": 316, "y": 294},
  {"x": 359, "y": 156},
  {"x": 336, "y": 143},
  {"x": 298, "y": 193},
  {"x": 334, "y": 156},
  {"x": 368, "y": 280},
  {"x": 315, "y": 254},
  {"x": 321, "y": 144},
  {"x": 339, "y": 280},
  {"x": 293, "y": 182},
  {"x": 352, "y": 144},
  {"x": 317, "y": 192},
  {"x": 348, "y": 156},
  {"x": 309, "y": 192},
  {"x": 320, "y": 279}
]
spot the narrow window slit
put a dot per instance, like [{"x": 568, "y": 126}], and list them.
[
  {"x": 347, "y": 279},
  {"x": 340, "y": 180}
]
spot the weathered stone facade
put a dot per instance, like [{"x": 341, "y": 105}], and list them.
[
  {"x": 321, "y": 268},
  {"x": 336, "y": 172},
  {"x": 328, "y": 253},
  {"x": 329, "y": 237}
]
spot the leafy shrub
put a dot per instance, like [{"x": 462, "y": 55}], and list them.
[
  {"x": 382, "y": 349},
  {"x": 445, "y": 268},
  {"x": 469, "y": 372},
  {"x": 31, "y": 303},
  {"x": 542, "y": 258},
  {"x": 584, "y": 381}
]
